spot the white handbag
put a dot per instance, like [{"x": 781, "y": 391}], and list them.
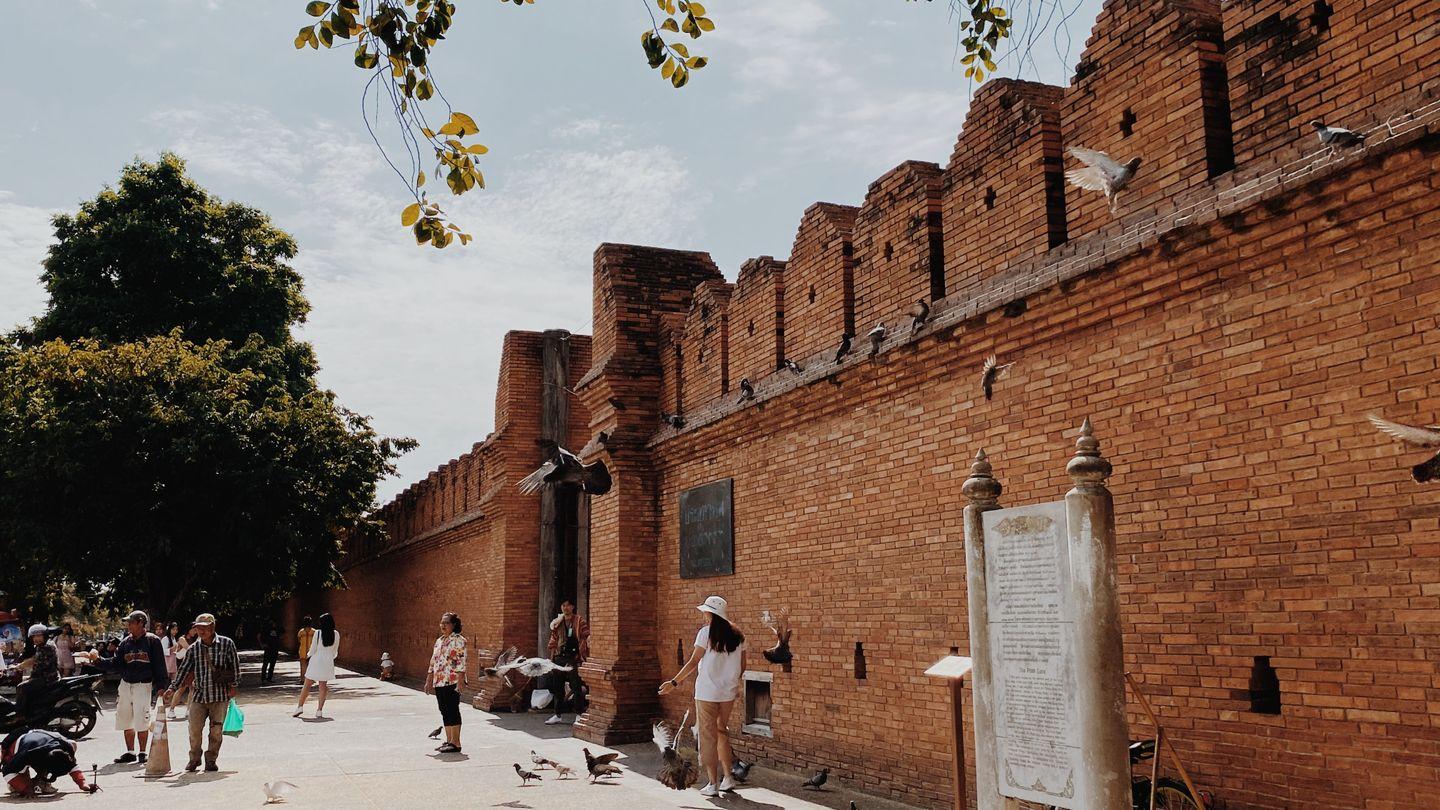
[{"x": 540, "y": 698}]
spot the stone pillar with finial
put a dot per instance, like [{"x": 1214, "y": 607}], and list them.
[
  {"x": 983, "y": 491},
  {"x": 1098, "y": 647}
]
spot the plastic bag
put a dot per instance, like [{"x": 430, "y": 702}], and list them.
[
  {"x": 234, "y": 720},
  {"x": 540, "y": 698}
]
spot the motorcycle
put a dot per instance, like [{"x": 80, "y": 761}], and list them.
[{"x": 68, "y": 706}]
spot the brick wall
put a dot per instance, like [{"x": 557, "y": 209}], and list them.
[
  {"x": 898, "y": 244},
  {"x": 1347, "y": 63},
  {"x": 706, "y": 336},
  {"x": 757, "y": 328},
  {"x": 819, "y": 296}
]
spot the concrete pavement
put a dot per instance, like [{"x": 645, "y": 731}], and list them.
[{"x": 371, "y": 751}]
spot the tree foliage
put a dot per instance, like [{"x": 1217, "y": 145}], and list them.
[{"x": 162, "y": 438}]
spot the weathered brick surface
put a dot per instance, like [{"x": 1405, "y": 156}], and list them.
[
  {"x": 1004, "y": 195},
  {"x": 1348, "y": 64},
  {"x": 898, "y": 244},
  {"x": 819, "y": 292},
  {"x": 757, "y": 324},
  {"x": 706, "y": 338}
]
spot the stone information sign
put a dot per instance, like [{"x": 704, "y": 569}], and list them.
[
  {"x": 707, "y": 530},
  {"x": 1027, "y": 570}
]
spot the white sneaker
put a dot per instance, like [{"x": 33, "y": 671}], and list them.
[
  {"x": 319, "y": 715},
  {"x": 554, "y": 720},
  {"x": 727, "y": 783},
  {"x": 709, "y": 790}
]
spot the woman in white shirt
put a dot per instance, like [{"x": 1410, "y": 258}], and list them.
[
  {"x": 718, "y": 662},
  {"x": 323, "y": 650}
]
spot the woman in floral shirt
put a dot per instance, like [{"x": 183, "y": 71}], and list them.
[{"x": 446, "y": 677}]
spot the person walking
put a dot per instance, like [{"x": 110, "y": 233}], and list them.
[
  {"x": 322, "y": 664},
  {"x": 305, "y": 637},
  {"x": 211, "y": 668},
  {"x": 719, "y": 663},
  {"x": 446, "y": 677},
  {"x": 65, "y": 646},
  {"x": 569, "y": 646},
  {"x": 270, "y": 643},
  {"x": 140, "y": 661}
]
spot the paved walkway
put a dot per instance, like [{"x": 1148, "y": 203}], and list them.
[{"x": 371, "y": 751}]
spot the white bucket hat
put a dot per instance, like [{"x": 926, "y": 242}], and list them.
[{"x": 716, "y": 605}]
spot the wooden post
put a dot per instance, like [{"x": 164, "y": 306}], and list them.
[
  {"x": 554, "y": 420},
  {"x": 957, "y": 720},
  {"x": 1170, "y": 749}
]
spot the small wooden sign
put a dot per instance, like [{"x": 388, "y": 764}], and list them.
[{"x": 707, "y": 530}]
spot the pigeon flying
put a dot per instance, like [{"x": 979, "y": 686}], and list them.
[
  {"x": 844, "y": 348},
  {"x": 529, "y": 667},
  {"x": 795, "y": 368},
  {"x": 525, "y": 776},
  {"x": 919, "y": 314},
  {"x": 564, "y": 467},
  {"x": 674, "y": 420},
  {"x": 991, "y": 372},
  {"x": 818, "y": 779},
  {"x": 747, "y": 389},
  {"x": 1101, "y": 173},
  {"x": 779, "y": 624},
  {"x": 601, "y": 766},
  {"x": 877, "y": 336},
  {"x": 278, "y": 791},
  {"x": 676, "y": 772},
  {"x": 1337, "y": 137},
  {"x": 741, "y": 770},
  {"x": 1428, "y": 436}
]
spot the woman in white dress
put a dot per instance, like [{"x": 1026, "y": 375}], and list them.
[{"x": 321, "y": 668}]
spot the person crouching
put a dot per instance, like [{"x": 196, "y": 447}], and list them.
[{"x": 45, "y": 753}]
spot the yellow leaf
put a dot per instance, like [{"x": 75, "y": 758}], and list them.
[
  {"x": 428, "y": 132},
  {"x": 478, "y": 149},
  {"x": 705, "y": 24},
  {"x": 680, "y": 49},
  {"x": 317, "y": 8},
  {"x": 668, "y": 69},
  {"x": 420, "y": 180},
  {"x": 451, "y": 128},
  {"x": 411, "y": 213},
  {"x": 697, "y": 9},
  {"x": 466, "y": 123},
  {"x": 302, "y": 37}
]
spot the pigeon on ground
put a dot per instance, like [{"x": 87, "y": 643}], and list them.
[
  {"x": 601, "y": 766},
  {"x": 278, "y": 791},
  {"x": 817, "y": 780},
  {"x": 541, "y": 762},
  {"x": 564, "y": 467},
  {"x": 741, "y": 770},
  {"x": 794, "y": 367},
  {"x": 435, "y": 735},
  {"x": 1337, "y": 137},
  {"x": 1428, "y": 436},
  {"x": 525, "y": 776},
  {"x": 676, "y": 772},
  {"x": 991, "y": 372},
  {"x": 844, "y": 348},
  {"x": 565, "y": 771},
  {"x": 1101, "y": 173},
  {"x": 779, "y": 624},
  {"x": 877, "y": 336},
  {"x": 919, "y": 314},
  {"x": 674, "y": 420},
  {"x": 747, "y": 389}
]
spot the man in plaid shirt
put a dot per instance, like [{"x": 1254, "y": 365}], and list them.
[{"x": 212, "y": 667}]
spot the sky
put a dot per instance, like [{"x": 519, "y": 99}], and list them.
[{"x": 803, "y": 101}]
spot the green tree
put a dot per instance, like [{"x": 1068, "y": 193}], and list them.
[
  {"x": 394, "y": 42},
  {"x": 162, "y": 438}
]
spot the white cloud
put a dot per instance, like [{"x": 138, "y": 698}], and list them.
[
  {"x": 25, "y": 236},
  {"x": 412, "y": 335}
]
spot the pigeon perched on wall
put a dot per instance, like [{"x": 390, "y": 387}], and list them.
[
  {"x": 563, "y": 467},
  {"x": 1101, "y": 173},
  {"x": 525, "y": 776},
  {"x": 1337, "y": 137},
  {"x": 877, "y": 336},
  {"x": 844, "y": 347},
  {"x": 794, "y": 367},
  {"x": 817, "y": 780},
  {"x": 741, "y": 770},
  {"x": 676, "y": 772},
  {"x": 779, "y": 624},
  {"x": 674, "y": 420},
  {"x": 747, "y": 389},
  {"x": 1428, "y": 436},
  {"x": 278, "y": 791},
  {"x": 919, "y": 314},
  {"x": 601, "y": 766},
  {"x": 991, "y": 372}
]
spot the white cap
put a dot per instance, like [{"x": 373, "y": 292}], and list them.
[
  {"x": 37, "y": 630},
  {"x": 716, "y": 605}
]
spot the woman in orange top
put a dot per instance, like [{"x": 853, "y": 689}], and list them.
[{"x": 306, "y": 637}]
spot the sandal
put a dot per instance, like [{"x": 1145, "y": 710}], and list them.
[{"x": 448, "y": 748}]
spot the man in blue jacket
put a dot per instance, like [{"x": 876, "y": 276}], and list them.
[{"x": 141, "y": 664}]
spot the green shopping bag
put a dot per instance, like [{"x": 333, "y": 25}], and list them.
[{"x": 234, "y": 720}]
